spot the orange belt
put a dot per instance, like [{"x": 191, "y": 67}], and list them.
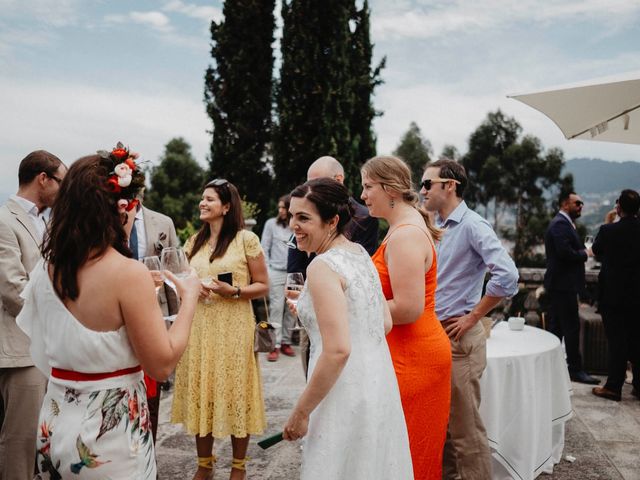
[{"x": 86, "y": 377}]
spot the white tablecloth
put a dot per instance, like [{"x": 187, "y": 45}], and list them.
[{"x": 525, "y": 401}]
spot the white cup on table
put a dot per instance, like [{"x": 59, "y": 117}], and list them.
[{"x": 516, "y": 323}]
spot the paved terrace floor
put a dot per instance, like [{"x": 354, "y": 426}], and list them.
[{"x": 603, "y": 436}]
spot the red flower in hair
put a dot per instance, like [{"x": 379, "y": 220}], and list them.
[
  {"x": 120, "y": 153},
  {"x": 132, "y": 204},
  {"x": 112, "y": 183},
  {"x": 129, "y": 161}
]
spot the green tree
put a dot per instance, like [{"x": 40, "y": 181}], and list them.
[
  {"x": 321, "y": 99},
  {"x": 451, "y": 152},
  {"x": 238, "y": 96},
  {"x": 415, "y": 150},
  {"x": 364, "y": 83},
  {"x": 484, "y": 159},
  {"x": 535, "y": 180},
  {"x": 176, "y": 184}
]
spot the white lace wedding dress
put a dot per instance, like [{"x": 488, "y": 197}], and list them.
[{"x": 358, "y": 430}]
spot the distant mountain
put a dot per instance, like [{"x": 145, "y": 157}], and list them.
[{"x": 593, "y": 175}]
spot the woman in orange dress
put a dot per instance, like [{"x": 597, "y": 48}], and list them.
[{"x": 420, "y": 349}]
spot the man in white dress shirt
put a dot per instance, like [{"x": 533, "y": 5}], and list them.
[{"x": 23, "y": 223}]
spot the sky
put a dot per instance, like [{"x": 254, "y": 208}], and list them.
[{"x": 79, "y": 75}]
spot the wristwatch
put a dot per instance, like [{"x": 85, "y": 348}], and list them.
[{"x": 237, "y": 294}]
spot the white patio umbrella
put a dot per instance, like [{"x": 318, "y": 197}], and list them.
[{"x": 603, "y": 111}]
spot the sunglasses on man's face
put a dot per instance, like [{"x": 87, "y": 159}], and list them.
[
  {"x": 578, "y": 203},
  {"x": 428, "y": 182},
  {"x": 53, "y": 177}
]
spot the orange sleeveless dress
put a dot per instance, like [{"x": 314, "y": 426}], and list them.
[{"x": 421, "y": 354}]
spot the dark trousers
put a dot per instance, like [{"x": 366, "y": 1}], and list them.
[
  {"x": 621, "y": 327},
  {"x": 154, "y": 411},
  {"x": 565, "y": 323}
]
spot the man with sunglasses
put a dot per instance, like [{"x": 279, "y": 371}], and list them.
[
  {"x": 23, "y": 222},
  {"x": 564, "y": 280},
  {"x": 469, "y": 247}
]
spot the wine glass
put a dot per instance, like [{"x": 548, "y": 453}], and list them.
[
  {"x": 153, "y": 264},
  {"x": 174, "y": 260},
  {"x": 292, "y": 288}
]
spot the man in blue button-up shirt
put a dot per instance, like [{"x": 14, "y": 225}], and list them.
[{"x": 467, "y": 250}]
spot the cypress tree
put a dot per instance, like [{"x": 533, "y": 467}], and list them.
[
  {"x": 364, "y": 82},
  {"x": 238, "y": 96},
  {"x": 324, "y": 78}
]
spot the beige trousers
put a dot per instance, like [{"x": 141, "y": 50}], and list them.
[
  {"x": 466, "y": 450},
  {"x": 22, "y": 391}
]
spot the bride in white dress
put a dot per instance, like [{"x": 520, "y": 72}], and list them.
[{"x": 350, "y": 413}]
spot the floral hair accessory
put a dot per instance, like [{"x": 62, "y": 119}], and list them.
[{"x": 125, "y": 179}]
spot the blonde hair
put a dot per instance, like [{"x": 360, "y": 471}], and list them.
[{"x": 395, "y": 175}]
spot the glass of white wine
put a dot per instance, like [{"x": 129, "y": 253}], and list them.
[
  {"x": 175, "y": 261},
  {"x": 153, "y": 264},
  {"x": 292, "y": 288}
]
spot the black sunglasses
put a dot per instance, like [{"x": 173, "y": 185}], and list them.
[
  {"x": 579, "y": 203},
  {"x": 428, "y": 183},
  {"x": 59, "y": 180}
]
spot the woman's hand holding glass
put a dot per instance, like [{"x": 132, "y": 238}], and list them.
[
  {"x": 187, "y": 285},
  {"x": 218, "y": 287}
]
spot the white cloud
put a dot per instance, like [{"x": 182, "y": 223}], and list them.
[
  {"x": 156, "y": 20},
  {"x": 57, "y": 13},
  {"x": 72, "y": 120},
  {"x": 428, "y": 19},
  {"x": 206, "y": 13}
]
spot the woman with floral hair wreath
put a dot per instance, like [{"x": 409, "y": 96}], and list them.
[{"x": 92, "y": 333}]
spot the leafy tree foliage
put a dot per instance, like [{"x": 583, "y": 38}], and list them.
[
  {"x": 450, "y": 152},
  {"x": 323, "y": 97},
  {"x": 516, "y": 175},
  {"x": 176, "y": 184},
  {"x": 238, "y": 96},
  {"x": 416, "y": 150},
  {"x": 364, "y": 82},
  {"x": 484, "y": 157}
]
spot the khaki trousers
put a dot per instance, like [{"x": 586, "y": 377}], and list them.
[
  {"x": 466, "y": 450},
  {"x": 22, "y": 391}
]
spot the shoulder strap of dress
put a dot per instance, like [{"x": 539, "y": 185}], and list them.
[{"x": 410, "y": 225}]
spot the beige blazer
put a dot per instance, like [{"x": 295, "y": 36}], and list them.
[
  {"x": 19, "y": 252},
  {"x": 160, "y": 233}
]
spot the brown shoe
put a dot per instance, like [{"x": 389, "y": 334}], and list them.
[
  {"x": 606, "y": 393},
  {"x": 287, "y": 350},
  {"x": 273, "y": 355}
]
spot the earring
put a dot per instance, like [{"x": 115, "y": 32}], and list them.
[{"x": 392, "y": 203}]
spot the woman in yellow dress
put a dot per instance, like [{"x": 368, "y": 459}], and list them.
[{"x": 218, "y": 389}]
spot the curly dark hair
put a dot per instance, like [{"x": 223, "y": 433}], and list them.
[{"x": 85, "y": 222}]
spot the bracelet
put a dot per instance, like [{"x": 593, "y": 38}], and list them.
[{"x": 237, "y": 294}]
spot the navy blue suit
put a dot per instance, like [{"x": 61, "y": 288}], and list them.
[
  {"x": 617, "y": 246},
  {"x": 563, "y": 281}
]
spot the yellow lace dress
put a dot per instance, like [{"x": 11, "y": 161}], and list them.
[{"x": 218, "y": 388}]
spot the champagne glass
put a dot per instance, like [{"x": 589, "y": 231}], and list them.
[
  {"x": 153, "y": 264},
  {"x": 174, "y": 260},
  {"x": 207, "y": 282},
  {"x": 292, "y": 288}
]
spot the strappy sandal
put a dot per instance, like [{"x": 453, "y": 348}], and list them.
[
  {"x": 208, "y": 463},
  {"x": 240, "y": 464}
]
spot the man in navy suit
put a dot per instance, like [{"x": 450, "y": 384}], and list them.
[
  {"x": 564, "y": 280},
  {"x": 617, "y": 246}
]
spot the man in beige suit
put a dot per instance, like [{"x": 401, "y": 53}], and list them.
[
  {"x": 23, "y": 222},
  {"x": 151, "y": 232}
]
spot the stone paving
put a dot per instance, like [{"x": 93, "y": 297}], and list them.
[{"x": 603, "y": 436}]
